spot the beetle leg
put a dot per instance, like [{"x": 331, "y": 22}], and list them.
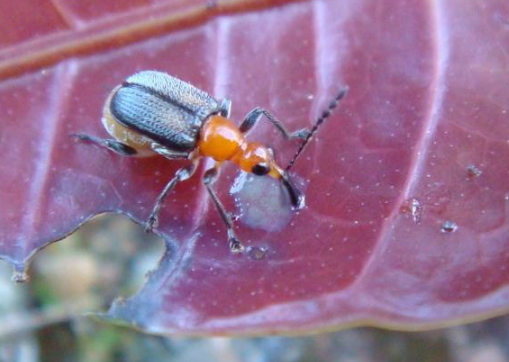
[
  {"x": 253, "y": 117},
  {"x": 169, "y": 154},
  {"x": 112, "y": 145},
  {"x": 209, "y": 178},
  {"x": 226, "y": 107},
  {"x": 182, "y": 174}
]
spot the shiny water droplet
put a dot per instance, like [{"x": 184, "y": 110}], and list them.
[
  {"x": 414, "y": 208},
  {"x": 449, "y": 227},
  {"x": 257, "y": 253},
  {"x": 473, "y": 171}
]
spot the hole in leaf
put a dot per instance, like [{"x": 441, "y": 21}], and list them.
[{"x": 108, "y": 257}]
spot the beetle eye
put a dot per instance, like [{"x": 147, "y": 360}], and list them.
[{"x": 261, "y": 169}]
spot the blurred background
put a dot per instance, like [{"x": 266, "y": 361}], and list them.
[{"x": 44, "y": 319}]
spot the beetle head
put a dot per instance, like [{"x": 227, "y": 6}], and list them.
[{"x": 258, "y": 159}]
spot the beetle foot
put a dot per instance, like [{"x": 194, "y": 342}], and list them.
[
  {"x": 235, "y": 246},
  {"x": 150, "y": 224},
  {"x": 79, "y": 137},
  {"x": 301, "y": 134}
]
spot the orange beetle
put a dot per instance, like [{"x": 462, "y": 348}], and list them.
[{"x": 155, "y": 112}]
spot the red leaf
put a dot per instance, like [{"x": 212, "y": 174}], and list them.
[{"x": 406, "y": 218}]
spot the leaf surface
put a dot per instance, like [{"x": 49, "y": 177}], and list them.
[{"x": 406, "y": 184}]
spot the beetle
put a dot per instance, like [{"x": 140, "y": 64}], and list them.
[{"x": 152, "y": 111}]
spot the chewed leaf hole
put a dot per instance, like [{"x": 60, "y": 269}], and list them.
[
  {"x": 262, "y": 202},
  {"x": 109, "y": 256}
]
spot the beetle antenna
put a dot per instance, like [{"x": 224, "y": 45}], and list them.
[{"x": 325, "y": 114}]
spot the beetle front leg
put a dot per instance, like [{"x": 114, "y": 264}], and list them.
[
  {"x": 182, "y": 174},
  {"x": 209, "y": 178},
  {"x": 253, "y": 117},
  {"x": 112, "y": 145}
]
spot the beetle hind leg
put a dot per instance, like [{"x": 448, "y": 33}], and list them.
[{"x": 112, "y": 145}]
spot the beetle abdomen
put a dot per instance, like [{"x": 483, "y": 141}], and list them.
[{"x": 163, "y": 108}]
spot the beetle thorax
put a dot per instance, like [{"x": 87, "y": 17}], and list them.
[{"x": 220, "y": 139}]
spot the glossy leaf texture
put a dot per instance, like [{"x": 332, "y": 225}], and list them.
[{"x": 406, "y": 184}]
